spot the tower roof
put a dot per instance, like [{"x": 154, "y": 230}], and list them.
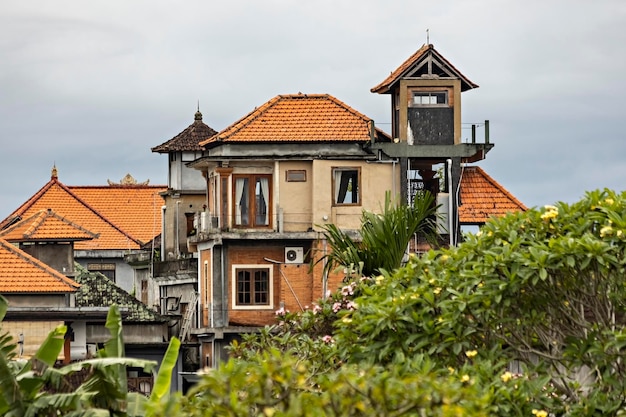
[
  {"x": 188, "y": 139},
  {"x": 425, "y": 63}
]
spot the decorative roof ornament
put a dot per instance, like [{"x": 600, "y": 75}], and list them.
[
  {"x": 126, "y": 181},
  {"x": 54, "y": 174},
  {"x": 198, "y": 115}
]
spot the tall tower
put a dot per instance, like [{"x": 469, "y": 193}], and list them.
[{"x": 426, "y": 126}]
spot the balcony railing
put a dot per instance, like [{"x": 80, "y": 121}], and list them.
[{"x": 168, "y": 268}]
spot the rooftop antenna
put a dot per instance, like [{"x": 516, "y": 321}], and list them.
[
  {"x": 198, "y": 104},
  {"x": 427, "y": 36}
]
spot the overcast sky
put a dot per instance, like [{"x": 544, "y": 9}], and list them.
[{"x": 91, "y": 86}]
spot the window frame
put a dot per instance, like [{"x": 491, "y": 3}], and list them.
[
  {"x": 429, "y": 93},
  {"x": 295, "y": 175},
  {"x": 235, "y": 287},
  {"x": 336, "y": 191},
  {"x": 105, "y": 268},
  {"x": 252, "y": 179}
]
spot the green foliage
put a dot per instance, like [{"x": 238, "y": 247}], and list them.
[
  {"x": 542, "y": 290},
  {"x": 385, "y": 237},
  {"x": 36, "y": 388}
]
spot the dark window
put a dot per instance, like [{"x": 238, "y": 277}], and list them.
[
  {"x": 108, "y": 269},
  {"x": 346, "y": 183},
  {"x": 295, "y": 175},
  {"x": 253, "y": 286}
]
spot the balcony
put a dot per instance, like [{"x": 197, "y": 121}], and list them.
[{"x": 185, "y": 268}]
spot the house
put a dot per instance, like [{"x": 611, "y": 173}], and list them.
[
  {"x": 274, "y": 177},
  {"x": 123, "y": 215},
  {"x": 45, "y": 289}
]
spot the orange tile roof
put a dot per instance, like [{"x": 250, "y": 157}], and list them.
[
  {"x": 21, "y": 273},
  {"x": 46, "y": 225},
  {"x": 135, "y": 209},
  {"x": 299, "y": 118},
  {"x": 124, "y": 217},
  {"x": 482, "y": 197},
  {"x": 404, "y": 70}
]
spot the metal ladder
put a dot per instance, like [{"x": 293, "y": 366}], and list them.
[{"x": 186, "y": 325}]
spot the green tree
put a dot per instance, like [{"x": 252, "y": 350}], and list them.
[{"x": 384, "y": 237}]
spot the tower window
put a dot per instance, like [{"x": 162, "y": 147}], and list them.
[{"x": 429, "y": 98}]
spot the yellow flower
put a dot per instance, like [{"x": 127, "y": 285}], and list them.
[
  {"x": 605, "y": 231},
  {"x": 609, "y": 201},
  {"x": 465, "y": 378},
  {"x": 347, "y": 320},
  {"x": 451, "y": 370},
  {"x": 437, "y": 290},
  {"x": 550, "y": 213},
  {"x": 506, "y": 377},
  {"x": 540, "y": 413},
  {"x": 379, "y": 279},
  {"x": 444, "y": 258},
  {"x": 471, "y": 353}
]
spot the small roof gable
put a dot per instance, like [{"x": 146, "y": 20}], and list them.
[
  {"x": 188, "y": 139},
  {"x": 426, "y": 62},
  {"x": 124, "y": 217},
  {"x": 482, "y": 197},
  {"x": 20, "y": 273},
  {"x": 45, "y": 226},
  {"x": 299, "y": 118},
  {"x": 96, "y": 290}
]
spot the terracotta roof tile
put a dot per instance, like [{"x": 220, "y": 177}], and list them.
[
  {"x": 46, "y": 225},
  {"x": 20, "y": 273},
  {"x": 406, "y": 67},
  {"x": 299, "y": 118},
  {"x": 188, "y": 139},
  {"x": 482, "y": 197},
  {"x": 135, "y": 209},
  {"x": 124, "y": 217}
]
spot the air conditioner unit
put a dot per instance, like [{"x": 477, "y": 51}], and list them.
[{"x": 294, "y": 255}]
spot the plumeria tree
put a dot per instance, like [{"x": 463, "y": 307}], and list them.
[{"x": 525, "y": 318}]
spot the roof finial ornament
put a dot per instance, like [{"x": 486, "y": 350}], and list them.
[
  {"x": 54, "y": 174},
  {"x": 198, "y": 115},
  {"x": 427, "y": 36}
]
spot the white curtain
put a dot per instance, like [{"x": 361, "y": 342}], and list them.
[
  {"x": 265, "y": 192},
  {"x": 239, "y": 187},
  {"x": 337, "y": 174}
]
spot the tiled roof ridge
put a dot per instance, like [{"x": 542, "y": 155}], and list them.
[
  {"x": 242, "y": 122},
  {"x": 498, "y": 186},
  {"x": 348, "y": 108},
  {"x": 109, "y": 186},
  {"x": 73, "y": 285},
  {"x": 261, "y": 110},
  {"x": 24, "y": 207},
  {"x": 408, "y": 63},
  {"x": 97, "y": 213},
  {"x": 51, "y": 213}
]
